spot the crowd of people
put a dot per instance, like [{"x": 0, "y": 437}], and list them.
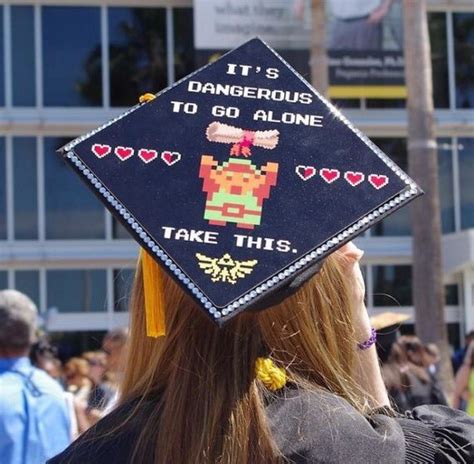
[
  {"x": 90, "y": 381},
  {"x": 463, "y": 364},
  {"x": 46, "y": 404},
  {"x": 82, "y": 390},
  {"x": 410, "y": 374}
]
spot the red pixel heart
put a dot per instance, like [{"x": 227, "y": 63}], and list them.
[
  {"x": 305, "y": 172},
  {"x": 378, "y": 180},
  {"x": 147, "y": 155},
  {"x": 100, "y": 150},
  {"x": 329, "y": 175},
  {"x": 354, "y": 178},
  {"x": 124, "y": 152},
  {"x": 170, "y": 157}
]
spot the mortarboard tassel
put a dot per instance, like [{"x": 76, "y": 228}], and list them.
[
  {"x": 146, "y": 97},
  {"x": 154, "y": 300}
]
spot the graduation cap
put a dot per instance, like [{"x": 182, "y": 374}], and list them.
[{"x": 239, "y": 179}]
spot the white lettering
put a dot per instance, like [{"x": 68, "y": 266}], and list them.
[
  {"x": 182, "y": 234},
  {"x": 239, "y": 240},
  {"x": 262, "y": 243},
  {"x": 272, "y": 73},
  {"x": 230, "y": 112},
  {"x": 250, "y": 92},
  {"x": 283, "y": 245},
  {"x": 191, "y": 235},
  {"x": 297, "y": 119},
  {"x": 188, "y": 108},
  {"x": 231, "y": 68},
  {"x": 168, "y": 231}
]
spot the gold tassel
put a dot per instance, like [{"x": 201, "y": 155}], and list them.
[
  {"x": 154, "y": 300},
  {"x": 146, "y": 97}
]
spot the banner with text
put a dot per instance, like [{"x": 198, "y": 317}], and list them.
[{"x": 364, "y": 39}]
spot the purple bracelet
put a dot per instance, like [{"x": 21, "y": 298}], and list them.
[{"x": 369, "y": 342}]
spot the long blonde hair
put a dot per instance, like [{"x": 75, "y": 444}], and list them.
[{"x": 211, "y": 407}]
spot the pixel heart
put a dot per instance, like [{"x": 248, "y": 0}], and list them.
[
  {"x": 100, "y": 150},
  {"x": 305, "y": 172},
  {"x": 329, "y": 175},
  {"x": 124, "y": 152},
  {"x": 170, "y": 157},
  {"x": 378, "y": 181},
  {"x": 147, "y": 155},
  {"x": 354, "y": 178}
]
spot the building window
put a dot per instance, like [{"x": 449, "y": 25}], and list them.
[
  {"x": 25, "y": 188},
  {"x": 123, "y": 280},
  {"x": 463, "y": 27},
  {"x": 72, "y": 211},
  {"x": 23, "y": 56},
  {"x": 439, "y": 58},
  {"x": 137, "y": 49},
  {"x": 466, "y": 184},
  {"x": 27, "y": 282},
  {"x": 184, "y": 53},
  {"x": 451, "y": 295},
  {"x": 3, "y": 280},
  {"x": 446, "y": 192},
  {"x": 3, "y": 191},
  {"x": 2, "y": 59},
  {"x": 454, "y": 334},
  {"x": 72, "y": 57},
  {"x": 399, "y": 222},
  {"x": 392, "y": 285},
  {"x": 76, "y": 291},
  {"x": 119, "y": 231}
]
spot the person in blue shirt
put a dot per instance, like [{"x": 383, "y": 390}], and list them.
[{"x": 34, "y": 417}]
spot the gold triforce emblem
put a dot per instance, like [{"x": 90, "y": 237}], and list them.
[{"x": 225, "y": 269}]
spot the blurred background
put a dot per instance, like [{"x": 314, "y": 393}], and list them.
[{"x": 66, "y": 68}]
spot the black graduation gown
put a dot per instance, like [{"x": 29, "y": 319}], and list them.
[{"x": 310, "y": 427}]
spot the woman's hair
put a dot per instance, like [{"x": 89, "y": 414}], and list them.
[
  {"x": 42, "y": 349},
  {"x": 211, "y": 407}
]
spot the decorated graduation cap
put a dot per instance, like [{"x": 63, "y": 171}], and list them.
[{"x": 237, "y": 181}]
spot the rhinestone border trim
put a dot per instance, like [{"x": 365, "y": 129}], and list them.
[{"x": 257, "y": 291}]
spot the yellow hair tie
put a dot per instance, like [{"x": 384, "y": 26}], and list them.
[
  {"x": 272, "y": 376},
  {"x": 146, "y": 97}
]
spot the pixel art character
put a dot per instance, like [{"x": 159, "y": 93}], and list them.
[{"x": 236, "y": 190}]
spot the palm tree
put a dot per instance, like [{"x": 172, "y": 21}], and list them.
[
  {"x": 423, "y": 166},
  {"x": 318, "y": 55}
]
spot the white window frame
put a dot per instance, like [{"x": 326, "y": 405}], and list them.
[{"x": 111, "y": 254}]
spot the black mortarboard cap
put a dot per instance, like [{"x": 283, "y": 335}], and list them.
[{"x": 239, "y": 179}]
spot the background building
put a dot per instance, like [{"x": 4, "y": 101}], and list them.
[{"x": 66, "y": 68}]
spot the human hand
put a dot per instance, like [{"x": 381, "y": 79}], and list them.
[
  {"x": 351, "y": 256},
  {"x": 379, "y": 13},
  {"x": 366, "y": 368}
]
